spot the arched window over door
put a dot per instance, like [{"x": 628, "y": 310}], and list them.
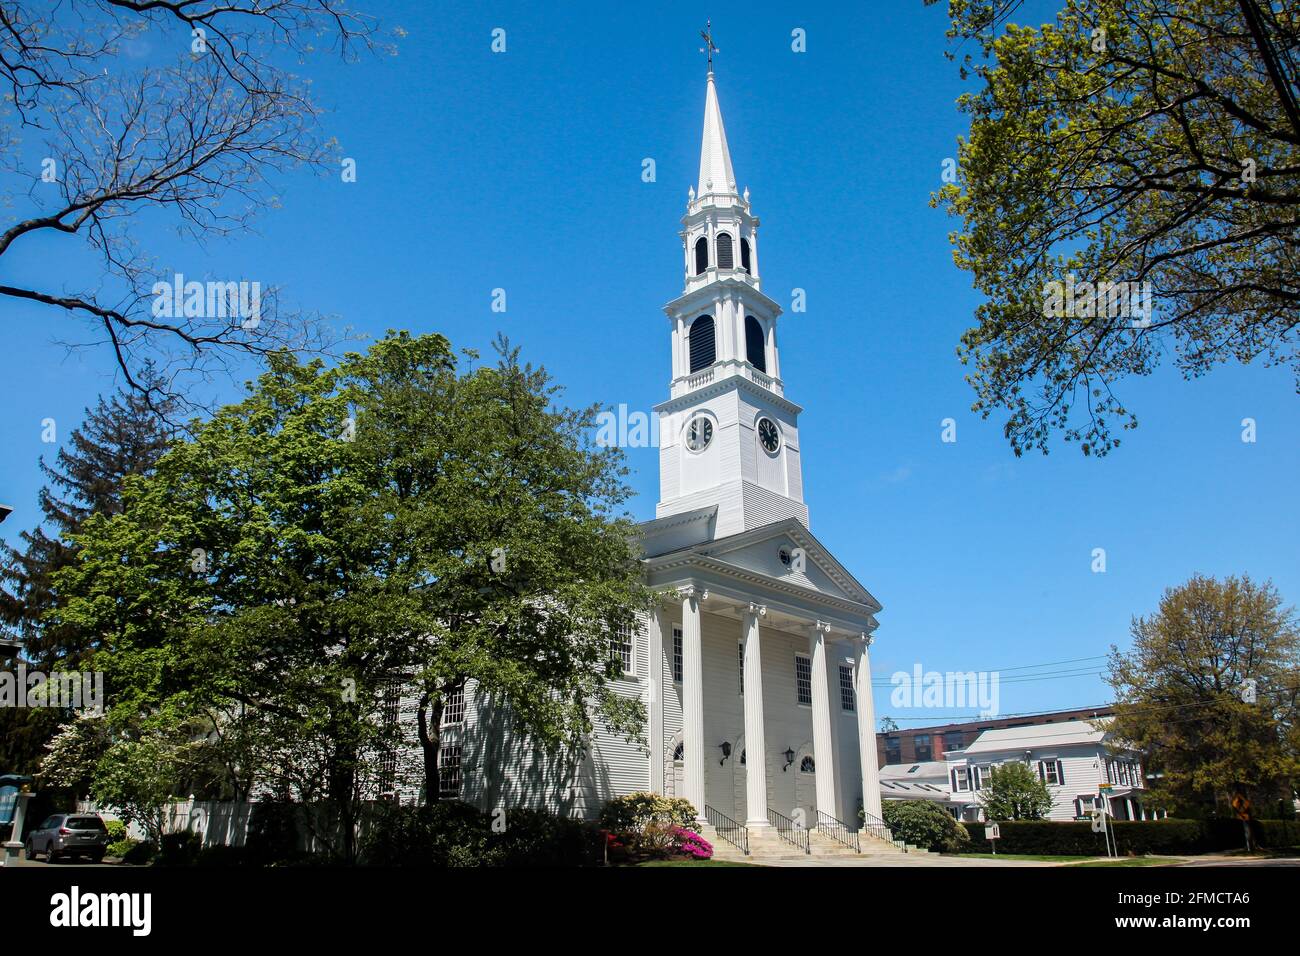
[
  {"x": 755, "y": 353},
  {"x": 744, "y": 254},
  {"x": 725, "y": 259},
  {"x": 701, "y": 255},
  {"x": 700, "y": 338}
]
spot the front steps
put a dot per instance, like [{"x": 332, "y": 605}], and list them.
[{"x": 766, "y": 845}]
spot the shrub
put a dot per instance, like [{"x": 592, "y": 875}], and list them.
[
  {"x": 446, "y": 833},
  {"x": 139, "y": 853},
  {"x": 179, "y": 849},
  {"x": 1052, "y": 838},
  {"x": 924, "y": 824},
  {"x": 636, "y": 811},
  {"x": 116, "y": 830},
  {"x": 691, "y": 844},
  {"x": 120, "y": 848},
  {"x": 273, "y": 831},
  {"x": 223, "y": 856},
  {"x": 537, "y": 838}
]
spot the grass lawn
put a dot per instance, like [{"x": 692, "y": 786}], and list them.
[
  {"x": 1133, "y": 861},
  {"x": 1038, "y": 858},
  {"x": 695, "y": 863}
]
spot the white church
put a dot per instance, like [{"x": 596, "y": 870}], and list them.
[{"x": 756, "y": 676}]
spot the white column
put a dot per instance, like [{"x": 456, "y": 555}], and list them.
[
  {"x": 867, "y": 728},
  {"x": 655, "y": 689},
  {"x": 823, "y": 738},
  {"x": 755, "y": 740},
  {"x": 693, "y": 698}
]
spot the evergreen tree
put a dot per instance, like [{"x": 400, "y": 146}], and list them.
[{"x": 123, "y": 435}]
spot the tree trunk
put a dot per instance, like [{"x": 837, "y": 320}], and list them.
[{"x": 429, "y": 726}]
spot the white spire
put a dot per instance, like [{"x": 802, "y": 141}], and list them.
[{"x": 716, "y": 175}]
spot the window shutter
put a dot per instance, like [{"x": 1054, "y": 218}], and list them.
[
  {"x": 725, "y": 260},
  {"x": 755, "y": 354},
  {"x": 1042, "y": 772},
  {"x": 703, "y": 353},
  {"x": 954, "y": 781},
  {"x": 1060, "y": 773}
]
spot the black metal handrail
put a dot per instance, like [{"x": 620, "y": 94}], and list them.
[
  {"x": 788, "y": 831},
  {"x": 736, "y": 834},
  {"x": 874, "y": 826},
  {"x": 838, "y": 830}
]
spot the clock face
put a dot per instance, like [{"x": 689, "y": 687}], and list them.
[
  {"x": 769, "y": 435},
  {"x": 698, "y": 434}
]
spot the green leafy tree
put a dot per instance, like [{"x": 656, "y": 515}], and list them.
[
  {"x": 1210, "y": 690},
  {"x": 121, "y": 436},
  {"x": 1015, "y": 793},
  {"x": 1135, "y": 141},
  {"x": 493, "y": 496},
  {"x": 333, "y": 533}
]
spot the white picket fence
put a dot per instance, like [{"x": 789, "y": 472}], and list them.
[{"x": 216, "y": 823}]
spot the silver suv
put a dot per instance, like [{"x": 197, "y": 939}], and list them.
[{"x": 68, "y": 835}]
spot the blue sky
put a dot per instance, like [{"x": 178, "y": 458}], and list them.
[{"x": 522, "y": 171}]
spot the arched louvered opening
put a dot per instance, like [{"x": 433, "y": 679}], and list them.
[
  {"x": 725, "y": 259},
  {"x": 701, "y": 255},
  {"x": 808, "y": 765},
  {"x": 755, "y": 354},
  {"x": 744, "y": 254},
  {"x": 700, "y": 339}
]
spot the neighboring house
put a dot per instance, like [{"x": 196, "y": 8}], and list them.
[
  {"x": 755, "y": 672},
  {"x": 1075, "y": 759},
  {"x": 921, "y": 744}
]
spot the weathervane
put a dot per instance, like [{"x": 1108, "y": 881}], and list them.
[{"x": 707, "y": 35}]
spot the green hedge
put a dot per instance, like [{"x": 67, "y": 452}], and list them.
[
  {"x": 450, "y": 833},
  {"x": 1051, "y": 838}
]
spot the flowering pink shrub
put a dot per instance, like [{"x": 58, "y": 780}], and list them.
[{"x": 689, "y": 843}]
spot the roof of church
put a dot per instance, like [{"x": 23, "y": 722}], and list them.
[{"x": 715, "y": 158}]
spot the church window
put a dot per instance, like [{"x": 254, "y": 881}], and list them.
[
  {"x": 755, "y": 354},
  {"x": 807, "y": 765},
  {"x": 449, "y": 771},
  {"x": 621, "y": 650},
  {"x": 846, "y": 688},
  {"x": 744, "y": 254},
  {"x": 453, "y": 708},
  {"x": 725, "y": 260},
  {"x": 700, "y": 338},
  {"x": 677, "y": 654},
  {"x": 679, "y": 753},
  {"x": 701, "y": 255},
  {"x": 803, "y": 678}
]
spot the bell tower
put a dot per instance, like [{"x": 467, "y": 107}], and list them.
[{"x": 728, "y": 437}]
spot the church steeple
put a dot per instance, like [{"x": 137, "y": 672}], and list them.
[
  {"x": 716, "y": 174},
  {"x": 728, "y": 436}
]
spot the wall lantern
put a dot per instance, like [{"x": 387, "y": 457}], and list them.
[
  {"x": 726, "y": 751},
  {"x": 789, "y": 759}
]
